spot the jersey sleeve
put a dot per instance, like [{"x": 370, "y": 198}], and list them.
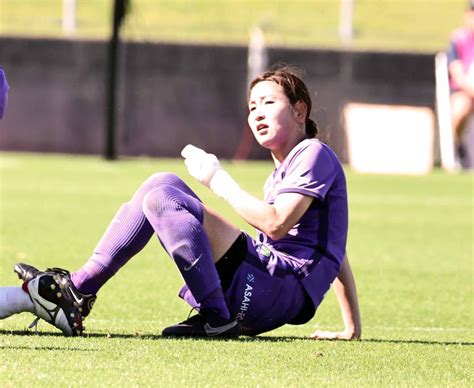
[{"x": 310, "y": 172}]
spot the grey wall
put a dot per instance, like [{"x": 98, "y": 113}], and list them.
[{"x": 171, "y": 94}]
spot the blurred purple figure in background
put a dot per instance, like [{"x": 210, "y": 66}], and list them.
[
  {"x": 3, "y": 92},
  {"x": 461, "y": 74}
]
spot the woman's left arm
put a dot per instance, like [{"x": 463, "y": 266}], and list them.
[{"x": 346, "y": 293}]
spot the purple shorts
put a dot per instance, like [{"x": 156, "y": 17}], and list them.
[{"x": 260, "y": 288}]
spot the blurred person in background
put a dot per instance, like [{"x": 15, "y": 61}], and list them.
[
  {"x": 239, "y": 285},
  {"x": 3, "y": 92},
  {"x": 461, "y": 74}
]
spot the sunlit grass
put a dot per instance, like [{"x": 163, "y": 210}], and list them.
[{"x": 410, "y": 243}]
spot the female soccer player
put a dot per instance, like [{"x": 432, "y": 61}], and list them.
[{"x": 238, "y": 284}]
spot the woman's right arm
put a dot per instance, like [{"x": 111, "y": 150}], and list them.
[{"x": 275, "y": 220}]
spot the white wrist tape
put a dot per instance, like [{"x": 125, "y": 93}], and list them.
[{"x": 223, "y": 184}]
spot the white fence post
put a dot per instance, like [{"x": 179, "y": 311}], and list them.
[
  {"x": 443, "y": 112},
  {"x": 346, "y": 21},
  {"x": 69, "y": 17},
  {"x": 257, "y": 60}
]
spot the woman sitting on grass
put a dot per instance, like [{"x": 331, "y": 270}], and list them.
[{"x": 239, "y": 285}]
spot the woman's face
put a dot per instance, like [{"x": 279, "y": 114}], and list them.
[{"x": 271, "y": 117}]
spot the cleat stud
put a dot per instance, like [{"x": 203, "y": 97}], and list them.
[
  {"x": 53, "y": 286},
  {"x": 72, "y": 315},
  {"x": 58, "y": 295},
  {"x": 80, "y": 309}
]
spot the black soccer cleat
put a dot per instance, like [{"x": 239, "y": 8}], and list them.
[
  {"x": 83, "y": 302},
  {"x": 52, "y": 304},
  {"x": 26, "y": 272},
  {"x": 205, "y": 324}
]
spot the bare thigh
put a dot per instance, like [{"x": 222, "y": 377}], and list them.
[{"x": 220, "y": 232}]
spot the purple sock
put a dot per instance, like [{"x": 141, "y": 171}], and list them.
[
  {"x": 176, "y": 215},
  {"x": 126, "y": 235}
]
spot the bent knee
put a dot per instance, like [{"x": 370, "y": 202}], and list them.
[
  {"x": 168, "y": 200},
  {"x": 160, "y": 201},
  {"x": 162, "y": 178}
]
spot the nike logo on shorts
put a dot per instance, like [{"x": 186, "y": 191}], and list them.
[{"x": 193, "y": 263}]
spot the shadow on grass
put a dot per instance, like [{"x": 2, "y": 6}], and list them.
[
  {"x": 420, "y": 342},
  {"x": 47, "y": 348},
  {"x": 370, "y": 340},
  {"x": 26, "y": 333},
  {"x": 256, "y": 339}
]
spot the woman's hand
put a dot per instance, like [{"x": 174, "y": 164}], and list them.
[
  {"x": 207, "y": 169},
  {"x": 345, "y": 288},
  {"x": 347, "y": 334},
  {"x": 200, "y": 164}
]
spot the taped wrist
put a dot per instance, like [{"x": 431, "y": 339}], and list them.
[{"x": 223, "y": 184}]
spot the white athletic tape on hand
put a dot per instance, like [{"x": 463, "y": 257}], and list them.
[
  {"x": 191, "y": 151},
  {"x": 207, "y": 169},
  {"x": 200, "y": 164}
]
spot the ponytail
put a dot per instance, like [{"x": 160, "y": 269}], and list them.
[{"x": 311, "y": 128}]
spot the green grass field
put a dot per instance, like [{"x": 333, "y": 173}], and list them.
[
  {"x": 411, "y": 249},
  {"x": 407, "y": 25}
]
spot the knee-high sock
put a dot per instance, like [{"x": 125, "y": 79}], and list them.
[
  {"x": 177, "y": 215},
  {"x": 14, "y": 300},
  {"x": 127, "y": 234}
]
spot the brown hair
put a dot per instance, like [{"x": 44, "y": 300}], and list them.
[{"x": 294, "y": 88}]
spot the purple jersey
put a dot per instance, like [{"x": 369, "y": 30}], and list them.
[{"x": 311, "y": 168}]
